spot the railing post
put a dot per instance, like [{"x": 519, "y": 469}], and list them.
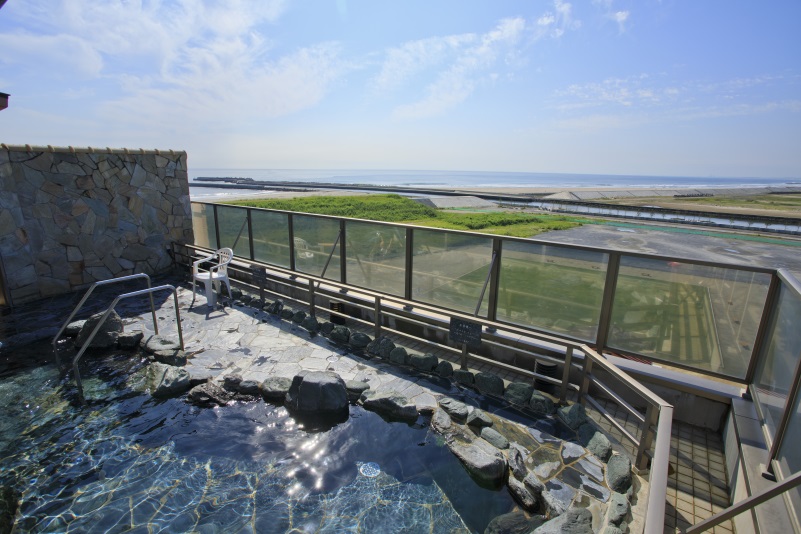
[
  {"x": 566, "y": 374},
  {"x": 377, "y": 318},
  {"x": 250, "y": 233},
  {"x": 311, "y": 298},
  {"x": 497, "y": 254},
  {"x": 216, "y": 227},
  {"x": 343, "y": 260},
  {"x": 585, "y": 379},
  {"x": 769, "y": 311},
  {"x": 646, "y": 438},
  {"x": 291, "y": 228},
  {"x": 610, "y": 286},
  {"x": 407, "y": 282}
]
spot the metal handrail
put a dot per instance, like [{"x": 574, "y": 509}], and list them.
[
  {"x": 105, "y": 316},
  {"x": 86, "y": 297},
  {"x": 746, "y": 504}
]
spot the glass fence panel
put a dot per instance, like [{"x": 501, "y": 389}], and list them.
[
  {"x": 234, "y": 230},
  {"x": 693, "y": 315},
  {"x": 775, "y": 368},
  {"x": 203, "y": 225},
  {"x": 376, "y": 256},
  {"x": 552, "y": 288},
  {"x": 314, "y": 240},
  {"x": 271, "y": 237},
  {"x": 450, "y": 269},
  {"x": 789, "y": 457}
]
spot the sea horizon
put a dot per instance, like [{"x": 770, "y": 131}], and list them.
[{"x": 474, "y": 179}]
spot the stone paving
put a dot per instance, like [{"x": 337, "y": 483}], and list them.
[{"x": 254, "y": 344}]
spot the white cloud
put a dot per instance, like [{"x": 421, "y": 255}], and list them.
[
  {"x": 457, "y": 83},
  {"x": 555, "y": 24},
  {"x": 620, "y": 17},
  {"x": 60, "y": 54},
  {"x": 410, "y": 58}
]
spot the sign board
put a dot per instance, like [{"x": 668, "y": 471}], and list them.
[
  {"x": 259, "y": 273},
  {"x": 467, "y": 332}
]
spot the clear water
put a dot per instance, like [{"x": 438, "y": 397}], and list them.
[{"x": 130, "y": 463}]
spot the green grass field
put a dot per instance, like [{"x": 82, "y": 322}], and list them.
[{"x": 395, "y": 208}]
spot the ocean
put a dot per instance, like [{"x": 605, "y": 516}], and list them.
[{"x": 464, "y": 179}]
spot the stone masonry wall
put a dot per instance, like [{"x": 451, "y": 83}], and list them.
[{"x": 73, "y": 216}]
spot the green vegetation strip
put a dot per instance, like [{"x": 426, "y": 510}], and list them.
[{"x": 395, "y": 208}]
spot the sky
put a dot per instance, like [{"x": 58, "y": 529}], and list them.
[{"x": 645, "y": 87}]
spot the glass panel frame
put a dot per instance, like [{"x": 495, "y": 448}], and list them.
[
  {"x": 271, "y": 237},
  {"x": 314, "y": 238},
  {"x": 203, "y": 225},
  {"x": 688, "y": 314},
  {"x": 449, "y": 269},
  {"x": 552, "y": 288},
  {"x": 376, "y": 256},
  {"x": 232, "y": 222}
]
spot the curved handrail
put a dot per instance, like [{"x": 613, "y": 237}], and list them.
[
  {"x": 150, "y": 291},
  {"x": 86, "y": 297}
]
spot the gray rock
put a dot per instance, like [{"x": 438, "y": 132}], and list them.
[
  {"x": 444, "y": 369},
  {"x": 514, "y": 523},
  {"x": 10, "y": 499},
  {"x": 326, "y": 329},
  {"x": 489, "y": 383},
  {"x": 199, "y": 377},
  {"x": 74, "y": 328},
  {"x": 245, "y": 299},
  {"x": 541, "y": 404},
  {"x": 231, "y": 382},
  {"x": 167, "y": 381},
  {"x": 618, "y": 473},
  {"x": 359, "y": 341},
  {"x": 478, "y": 418},
  {"x": 518, "y": 393},
  {"x": 574, "y": 521},
  {"x": 523, "y": 496},
  {"x": 486, "y": 464},
  {"x": 355, "y": 389},
  {"x": 298, "y": 317},
  {"x": 340, "y": 334},
  {"x": 423, "y": 362},
  {"x": 595, "y": 441},
  {"x": 275, "y": 388},
  {"x": 129, "y": 340},
  {"x": 441, "y": 421},
  {"x": 385, "y": 347},
  {"x": 106, "y": 337},
  {"x": 287, "y": 314},
  {"x": 557, "y": 497},
  {"x": 612, "y": 529},
  {"x": 572, "y": 452},
  {"x": 398, "y": 356},
  {"x": 464, "y": 377},
  {"x": 317, "y": 393},
  {"x": 619, "y": 508},
  {"x": 153, "y": 344},
  {"x": 573, "y": 416},
  {"x": 372, "y": 347},
  {"x": 534, "y": 485},
  {"x": 516, "y": 458},
  {"x": 249, "y": 387},
  {"x": 236, "y": 293},
  {"x": 311, "y": 324},
  {"x": 392, "y": 406},
  {"x": 457, "y": 410},
  {"x": 274, "y": 308},
  {"x": 209, "y": 394},
  {"x": 170, "y": 357},
  {"x": 494, "y": 438}
]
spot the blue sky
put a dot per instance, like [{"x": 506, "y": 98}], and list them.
[{"x": 671, "y": 87}]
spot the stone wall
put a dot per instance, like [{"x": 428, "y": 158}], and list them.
[{"x": 73, "y": 216}]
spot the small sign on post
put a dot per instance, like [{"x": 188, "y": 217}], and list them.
[
  {"x": 468, "y": 333},
  {"x": 260, "y": 277}
]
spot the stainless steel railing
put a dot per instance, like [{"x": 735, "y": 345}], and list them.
[{"x": 86, "y": 297}]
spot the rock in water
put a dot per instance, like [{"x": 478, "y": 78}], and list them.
[
  {"x": 106, "y": 337},
  {"x": 317, "y": 393},
  {"x": 166, "y": 380},
  {"x": 209, "y": 394}
]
